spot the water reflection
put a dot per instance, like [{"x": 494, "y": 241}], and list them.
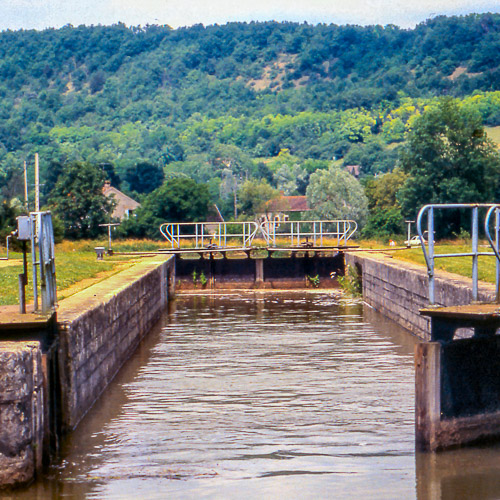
[{"x": 264, "y": 395}]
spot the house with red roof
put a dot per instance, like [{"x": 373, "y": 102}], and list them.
[
  {"x": 125, "y": 205},
  {"x": 287, "y": 207}
]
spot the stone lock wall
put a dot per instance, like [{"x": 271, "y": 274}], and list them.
[
  {"x": 400, "y": 289},
  {"x": 101, "y": 327},
  {"x": 21, "y": 412}
]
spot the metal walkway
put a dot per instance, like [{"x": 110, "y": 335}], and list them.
[{"x": 273, "y": 235}]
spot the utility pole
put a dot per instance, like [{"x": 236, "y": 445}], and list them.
[
  {"x": 25, "y": 186},
  {"x": 37, "y": 184}
]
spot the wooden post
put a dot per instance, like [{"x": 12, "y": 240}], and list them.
[{"x": 427, "y": 395}]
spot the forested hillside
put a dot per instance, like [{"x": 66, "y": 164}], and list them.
[{"x": 262, "y": 98}]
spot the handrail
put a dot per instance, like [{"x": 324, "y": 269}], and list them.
[
  {"x": 428, "y": 251},
  {"x": 207, "y": 234},
  {"x": 494, "y": 244},
  {"x": 299, "y": 232}
]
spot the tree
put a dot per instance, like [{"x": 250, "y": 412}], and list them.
[
  {"x": 180, "y": 199},
  {"x": 336, "y": 194},
  {"x": 292, "y": 180},
  {"x": 253, "y": 195},
  {"x": 144, "y": 177},
  {"x": 77, "y": 199},
  {"x": 385, "y": 218},
  {"x": 8, "y": 214},
  {"x": 449, "y": 159}
]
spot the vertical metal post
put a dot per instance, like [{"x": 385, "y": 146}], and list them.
[
  {"x": 110, "y": 250},
  {"x": 430, "y": 231},
  {"x": 22, "y": 294},
  {"x": 34, "y": 230},
  {"x": 25, "y": 186},
  {"x": 37, "y": 184},
  {"x": 475, "y": 256},
  {"x": 23, "y": 281},
  {"x": 41, "y": 261},
  {"x": 196, "y": 236},
  {"x": 497, "y": 243}
]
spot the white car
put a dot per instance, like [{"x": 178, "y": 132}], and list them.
[{"x": 414, "y": 241}]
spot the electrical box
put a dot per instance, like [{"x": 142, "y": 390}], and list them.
[{"x": 24, "y": 228}]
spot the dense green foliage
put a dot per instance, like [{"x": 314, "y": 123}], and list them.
[
  {"x": 233, "y": 104},
  {"x": 178, "y": 200},
  {"x": 336, "y": 194},
  {"x": 78, "y": 202},
  {"x": 449, "y": 159},
  {"x": 144, "y": 177},
  {"x": 124, "y": 95},
  {"x": 385, "y": 218}
]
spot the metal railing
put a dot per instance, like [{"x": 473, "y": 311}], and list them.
[
  {"x": 304, "y": 233},
  {"x": 43, "y": 256},
  {"x": 428, "y": 247},
  {"x": 7, "y": 240},
  {"x": 200, "y": 235}
]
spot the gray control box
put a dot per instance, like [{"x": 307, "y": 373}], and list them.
[{"x": 24, "y": 228}]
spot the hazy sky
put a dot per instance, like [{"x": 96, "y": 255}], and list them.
[{"x": 39, "y": 14}]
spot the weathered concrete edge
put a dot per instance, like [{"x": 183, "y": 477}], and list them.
[
  {"x": 100, "y": 328},
  {"x": 21, "y": 412},
  {"x": 399, "y": 289}
]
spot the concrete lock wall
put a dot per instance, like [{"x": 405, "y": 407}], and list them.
[
  {"x": 98, "y": 329},
  {"x": 400, "y": 289},
  {"x": 21, "y": 411},
  {"x": 101, "y": 327},
  {"x": 457, "y": 384}
]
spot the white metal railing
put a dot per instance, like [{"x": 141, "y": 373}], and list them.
[
  {"x": 312, "y": 232},
  {"x": 209, "y": 234},
  {"x": 428, "y": 247}
]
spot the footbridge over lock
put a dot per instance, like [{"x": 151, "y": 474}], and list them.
[{"x": 259, "y": 255}]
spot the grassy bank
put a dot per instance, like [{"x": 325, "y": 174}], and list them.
[
  {"x": 76, "y": 267},
  {"x": 457, "y": 265}
]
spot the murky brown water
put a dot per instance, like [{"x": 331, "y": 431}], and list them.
[{"x": 266, "y": 395}]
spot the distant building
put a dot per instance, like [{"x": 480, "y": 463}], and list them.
[
  {"x": 125, "y": 205},
  {"x": 287, "y": 207},
  {"x": 354, "y": 170}
]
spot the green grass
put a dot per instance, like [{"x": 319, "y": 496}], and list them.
[
  {"x": 75, "y": 262},
  {"x": 457, "y": 265},
  {"x": 70, "y": 269}
]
